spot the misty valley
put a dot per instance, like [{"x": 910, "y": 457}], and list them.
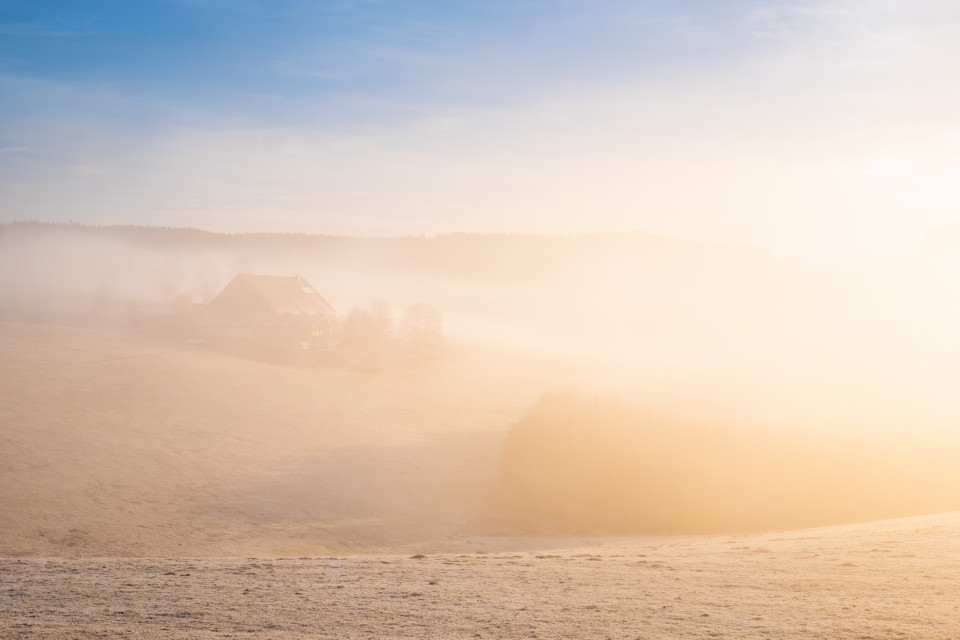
[
  {"x": 178, "y": 394},
  {"x": 214, "y": 392},
  {"x": 382, "y": 319}
]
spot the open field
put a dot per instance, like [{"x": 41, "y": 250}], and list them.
[
  {"x": 157, "y": 489},
  {"x": 119, "y": 445},
  {"x": 891, "y": 579},
  {"x": 362, "y": 319}
]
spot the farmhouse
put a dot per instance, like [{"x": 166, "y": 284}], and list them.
[{"x": 279, "y": 311}]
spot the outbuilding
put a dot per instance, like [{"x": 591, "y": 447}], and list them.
[{"x": 276, "y": 311}]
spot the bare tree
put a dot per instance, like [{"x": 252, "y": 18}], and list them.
[
  {"x": 368, "y": 326},
  {"x": 358, "y": 327},
  {"x": 422, "y": 327},
  {"x": 382, "y": 317}
]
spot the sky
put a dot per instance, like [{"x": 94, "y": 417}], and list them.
[{"x": 818, "y": 128}]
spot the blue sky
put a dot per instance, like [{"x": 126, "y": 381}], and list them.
[
  {"x": 809, "y": 126},
  {"x": 276, "y": 62}
]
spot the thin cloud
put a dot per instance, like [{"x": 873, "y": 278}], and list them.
[{"x": 39, "y": 30}]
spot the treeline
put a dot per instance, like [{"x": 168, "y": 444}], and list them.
[
  {"x": 469, "y": 256},
  {"x": 588, "y": 466}
]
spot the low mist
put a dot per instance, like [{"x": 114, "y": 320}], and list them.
[{"x": 743, "y": 391}]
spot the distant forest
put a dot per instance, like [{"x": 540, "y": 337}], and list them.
[{"x": 467, "y": 256}]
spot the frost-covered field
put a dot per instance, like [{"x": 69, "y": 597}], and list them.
[
  {"x": 364, "y": 498},
  {"x": 893, "y": 579}
]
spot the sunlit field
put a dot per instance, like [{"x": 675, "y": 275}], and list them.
[
  {"x": 158, "y": 475},
  {"x": 356, "y": 319},
  {"x": 881, "y": 580}
]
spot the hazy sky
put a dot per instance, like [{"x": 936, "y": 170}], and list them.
[{"x": 816, "y": 127}]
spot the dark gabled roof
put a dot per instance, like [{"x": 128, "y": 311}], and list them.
[{"x": 288, "y": 295}]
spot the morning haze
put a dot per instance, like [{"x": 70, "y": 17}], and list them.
[
  {"x": 381, "y": 319},
  {"x": 735, "y": 391}
]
